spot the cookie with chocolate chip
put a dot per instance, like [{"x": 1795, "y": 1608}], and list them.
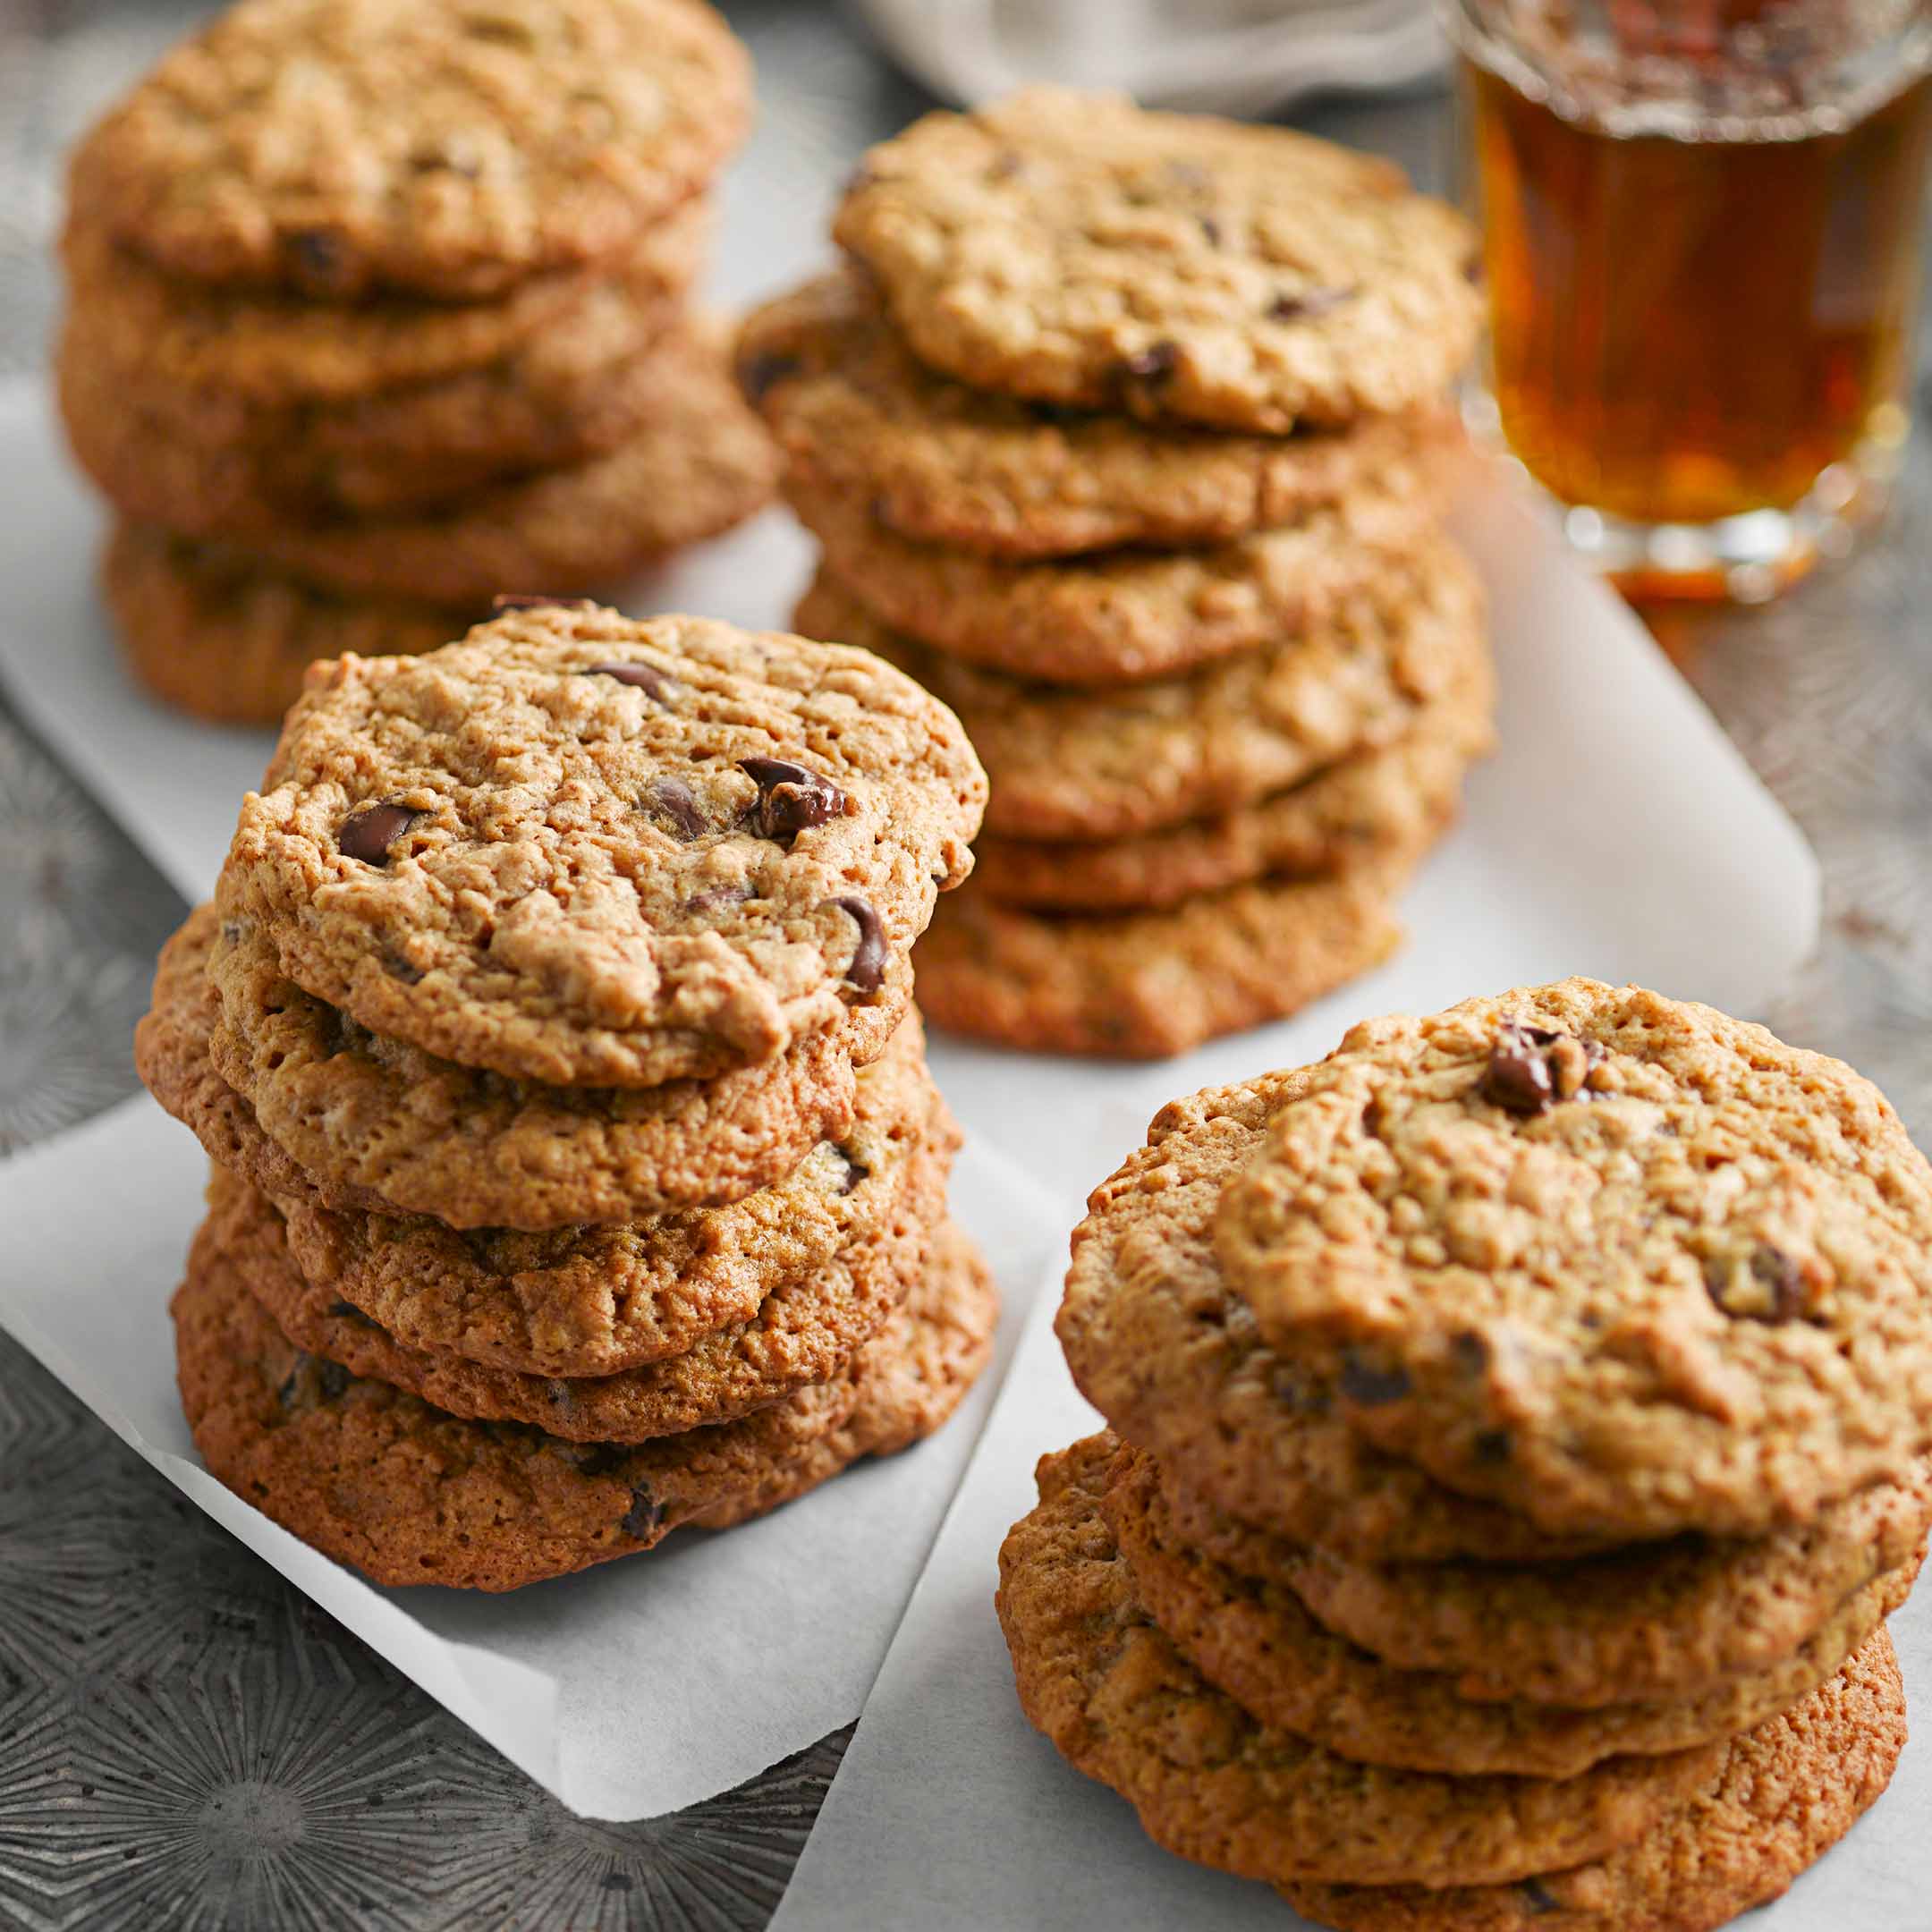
[
  {"x": 1073, "y": 248},
  {"x": 1075, "y": 765},
  {"x": 1784, "y": 1794},
  {"x": 1146, "y": 985},
  {"x": 1620, "y": 1263},
  {"x": 406, "y": 1494},
  {"x": 1123, "y": 616},
  {"x": 1169, "y": 1352},
  {"x": 341, "y": 147},
  {"x": 855, "y": 412},
  {"x": 208, "y": 629},
  {"x": 1251, "y": 1636},
  {"x": 596, "y": 852},
  {"x": 1098, "y": 1676}
]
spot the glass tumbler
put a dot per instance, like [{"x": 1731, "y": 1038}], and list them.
[{"x": 1702, "y": 228}]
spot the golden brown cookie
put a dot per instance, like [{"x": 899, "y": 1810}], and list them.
[
  {"x": 206, "y": 629},
  {"x": 1619, "y": 1262},
  {"x": 1785, "y": 1794},
  {"x": 1121, "y": 1704},
  {"x": 338, "y": 147},
  {"x": 1112, "y": 764},
  {"x": 1143, "y": 985},
  {"x": 1123, "y": 616},
  {"x": 1251, "y": 1636},
  {"x": 856, "y": 412},
  {"x": 1071, "y": 248},
  {"x": 406, "y": 1494}
]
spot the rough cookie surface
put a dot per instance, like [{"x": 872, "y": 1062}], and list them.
[
  {"x": 1120, "y": 1703},
  {"x": 1170, "y": 1354},
  {"x": 594, "y": 1301},
  {"x": 206, "y": 629},
  {"x": 445, "y": 148},
  {"x": 588, "y": 850},
  {"x": 855, "y": 412},
  {"x": 1073, "y": 248},
  {"x": 1141, "y": 986},
  {"x": 379, "y": 1479},
  {"x": 1786, "y": 1793},
  {"x": 1251, "y": 1637},
  {"x": 699, "y": 463},
  {"x": 1625, "y": 1264},
  {"x": 1122, "y": 616},
  {"x": 340, "y": 1115},
  {"x": 1070, "y": 763}
]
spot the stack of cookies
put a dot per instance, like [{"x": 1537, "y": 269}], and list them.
[
  {"x": 376, "y": 310},
  {"x": 577, "y": 1171},
  {"x": 1519, "y": 1437},
  {"x": 1125, "y": 434}
]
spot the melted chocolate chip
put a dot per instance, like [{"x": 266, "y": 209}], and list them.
[
  {"x": 1153, "y": 363},
  {"x": 1308, "y": 304},
  {"x": 1368, "y": 1386},
  {"x": 1531, "y": 1068},
  {"x": 315, "y": 257},
  {"x": 349, "y": 1312},
  {"x": 600, "y": 1458},
  {"x": 642, "y": 677},
  {"x": 1538, "y": 1897},
  {"x": 791, "y": 800},
  {"x": 855, "y": 1171},
  {"x": 1492, "y": 1446},
  {"x": 671, "y": 799},
  {"x": 867, "y": 966},
  {"x": 717, "y": 898},
  {"x": 507, "y": 600},
  {"x": 645, "y": 1514},
  {"x": 1767, "y": 1286},
  {"x": 367, "y": 835},
  {"x": 761, "y": 372},
  {"x": 332, "y": 1378}
]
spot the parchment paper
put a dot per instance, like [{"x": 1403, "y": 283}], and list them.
[
  {"x": 949, "y": 1811},
  {"x": 634, "y": 1689}
]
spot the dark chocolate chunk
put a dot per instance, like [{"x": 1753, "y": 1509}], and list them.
[
  {"x": 1531, "y": 1068},
  {"x": 1471, "y": 1351},
  {"x": 1492, "y": 1446},
  {"x": 367, "y": 835},
  {"x": 601, "y": 1458},
  {"x": 1537, "y": 1896},
  {"x": 1153, "y": 363},
  {"x": 645, "y": 1514},
  {"x": 332, "y": 1378},
  {"x": 348, "y": 1311},
  {"x": 1368, "y": 1386},
  {"x": 642, "y": 677},
  {"x": 1765, "y": 1286},
  {"x": 867, "y": 966},
  {"x": 1309, "y": 304},
  {"x": 717, "y": 898},
  {"x": 791, "y": 800},
  {"x": 671, "y": 799},
  {"x": 761, "y": 372}
]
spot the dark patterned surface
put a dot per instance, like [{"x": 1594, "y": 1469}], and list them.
[{"x": 185, "y": 1742}]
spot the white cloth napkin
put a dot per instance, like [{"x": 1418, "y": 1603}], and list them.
[{"x": 1227, "y": 56}]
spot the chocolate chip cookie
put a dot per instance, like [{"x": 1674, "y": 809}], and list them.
[
  {"x": 1100, "y": 1678},
  {"x": 338, "y": 1114},
  {"x": 339, "y": 147},
  {"x": 1620, "y": 1263},
  {"x": 381, "y": 1481},
  {"x": 591, "y": 851},
  {"x": 1252, "y": 1638},
  {"x": 1122, "y": 763},
  {"x": 856, "y": 414},
  {"x": 1170, "y": 1354},
  {"x": 1143, "y": 985},
  {"x": 1785, "y": 1794},
  {"x": 208, "y": 629},
  {"x": 1122, "y": 616},
  {"x": 1070, "y": 247}
]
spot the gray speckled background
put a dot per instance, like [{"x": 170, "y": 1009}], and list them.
[{"x": 184, "y": 1740}]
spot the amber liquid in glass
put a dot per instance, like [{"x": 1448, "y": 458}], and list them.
[{"x": 1686, "y": 329}]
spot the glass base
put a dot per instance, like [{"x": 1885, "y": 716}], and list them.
[{"x": 1747, "y": 559}]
